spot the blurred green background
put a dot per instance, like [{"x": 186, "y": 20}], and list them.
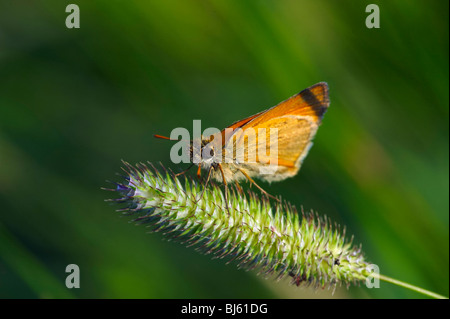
[{"x": 74, "y": 102}]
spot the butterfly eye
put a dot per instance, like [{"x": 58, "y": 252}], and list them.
[{"x": 208, "y": 153}]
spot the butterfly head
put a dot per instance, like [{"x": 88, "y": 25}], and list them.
[{"x": 204, "y": 152}]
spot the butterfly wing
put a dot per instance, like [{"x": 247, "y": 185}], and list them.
[{"x": 280, "y": 136}]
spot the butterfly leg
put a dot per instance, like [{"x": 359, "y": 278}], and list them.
[
  {"x": 259, "y": 187},
  {"x": 224, "y": 184},
  {"x": 199, "y": 173},
  {"x": 206, "y": 183},
  {"x": 238, "y": 187},
  {"x": 185, "y": 171}
]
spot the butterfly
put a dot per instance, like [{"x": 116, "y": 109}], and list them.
[{"x": 270, "y": 145}]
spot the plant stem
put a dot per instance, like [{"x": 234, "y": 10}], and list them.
[{"x": 409, "y": 286}]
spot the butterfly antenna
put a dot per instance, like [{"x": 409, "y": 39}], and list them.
[{"x": 165, "y": 137}]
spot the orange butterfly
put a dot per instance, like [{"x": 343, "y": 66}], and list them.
[{"x": 240, "y": 151}]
